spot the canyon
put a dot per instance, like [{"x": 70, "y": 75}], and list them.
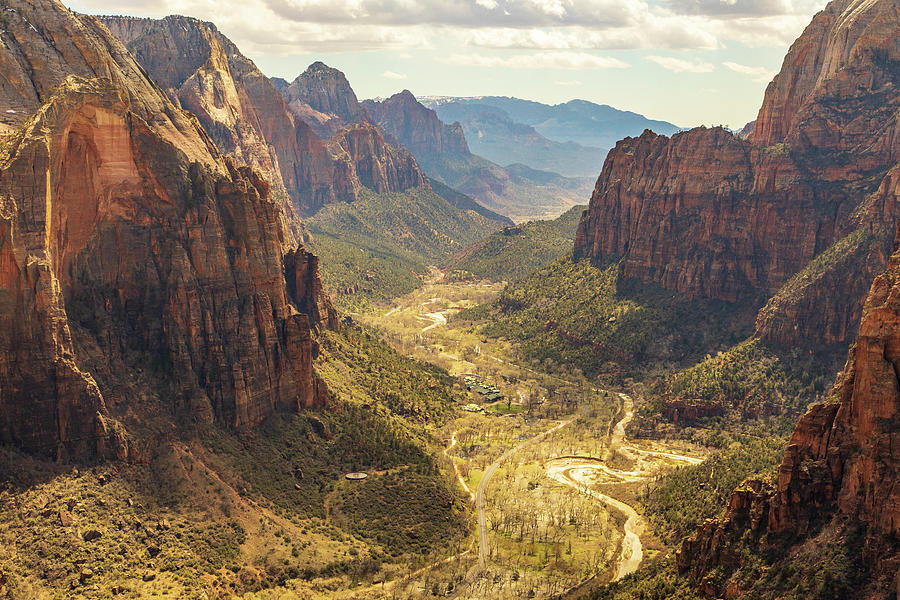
[{"x": 172, "y": 348}]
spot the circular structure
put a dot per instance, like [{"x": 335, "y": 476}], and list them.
[{"x": 356, "y": 476}]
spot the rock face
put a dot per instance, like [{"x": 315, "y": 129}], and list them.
[
  {"x": 322, "y": 96},
  {"x": 304, "y": 286},
  {"x": 204, "y": 72},
  {"x": 376, "y": 164},
  {"x": 710, "y": 214},
  {"x": 417, "y": 127},
  {"x": 130, "y": 246},
  {"x": 842, "y": 464}
]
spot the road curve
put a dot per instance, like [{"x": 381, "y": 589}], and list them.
[{"x": 482, "y": 485}]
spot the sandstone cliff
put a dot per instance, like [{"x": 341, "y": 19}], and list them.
[
  {"x": 204, "y": 72},
  {"x": 376, "y": 164},
  {"x": 839, "y": 472},
  {"x": 322, "y": 97},
  {"x": 714, "y": 215},
  {"x": 417, "y": 127},
  {"x": 141, "y": 272}
]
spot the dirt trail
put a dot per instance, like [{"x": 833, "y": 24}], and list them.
[
  {"x": 459, "y": 476},
  {"x": 582, "y": 473}
]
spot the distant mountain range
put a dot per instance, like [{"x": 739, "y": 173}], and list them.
[
  {"x": 518, "y": 191},
  {"x": 571, "y": 139}
]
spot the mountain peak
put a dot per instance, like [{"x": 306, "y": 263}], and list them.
[
  {"x": 320, "y": 67},
  {"x": 326, "y": 90}
]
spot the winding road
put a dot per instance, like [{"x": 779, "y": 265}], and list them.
[{"x": 480, "y": 493}]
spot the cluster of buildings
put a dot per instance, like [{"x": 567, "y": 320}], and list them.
[{"x": 489, "y": 392}]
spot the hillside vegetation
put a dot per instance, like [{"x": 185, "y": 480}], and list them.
[
  {"x": 514, "y": 252},
  {"x": 380, "y": 246},
  {"x": 575, "y": 313},
  {"x": 752, "y": 380},
  {"x": 211, "y": 512},
  {"x": 685, "y": 498}
]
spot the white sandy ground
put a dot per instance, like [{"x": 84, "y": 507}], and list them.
[{"x": 582, "y": 472}]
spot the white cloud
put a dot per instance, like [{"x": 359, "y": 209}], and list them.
[
  {"x": 667, "y": 33},
  {"x": 471, "y": 13},
  {"x": 392, "y": 75},
  {"x": 571, "y": 82},
  {"x": 759, "y": 74},
  {"x": 679, "y": 65},
  {"x": 732, "y": 8},
  {"x": 545, "y": 60},
  {"x": 304, "y": 26}
]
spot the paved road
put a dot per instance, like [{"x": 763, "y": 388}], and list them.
[{"x": 480, "y": 497}]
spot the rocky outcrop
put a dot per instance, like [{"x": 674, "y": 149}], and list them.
[
  {"x": 376, "y": 164},
  {"x": 304, "y": 286},
  {"x": 819, "y": 303},
  {"x": 710, "y": 214},
  {"x": 848, "y": 54},
  {"x": 204, "y": 72},
  {"x": 249, "y": 118},
  {"x": 141, "y": 272},
  {"x": 418, "y": 128},
  {"x": 322, "y": 97},
  {"x": 842, "y": 463}
]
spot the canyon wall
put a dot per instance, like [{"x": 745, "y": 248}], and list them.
[
  {"x": 418, "y": 128},
  {"x": 249, "y": 119},
  {"x": 714, "y": 215},
  {"x": 840, "y": 469},
  {"x": 141, "y": 271}
]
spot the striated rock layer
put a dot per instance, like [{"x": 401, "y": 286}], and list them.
[
  {"x": 418, "y": 127},
  {"x": 249, "y": 119},
  {"x": 842, "y": 465},
  {"x": 322, "y": 96},
  {"x": 130, "y": 246},
  {"x": 377, "y": 165},
  {"x": 710, "y": 214},
  {"x": 204, "y": 72}
]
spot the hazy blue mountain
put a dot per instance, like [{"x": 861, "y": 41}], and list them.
[{"x": 571, "y": 139}]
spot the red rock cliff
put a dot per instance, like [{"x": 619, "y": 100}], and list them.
[
  {"x": 204, "y": 72},
  {"x": 842, "y": 465},
  {"x": 710, "y": 214},
  {"x": 249, "y": 118},
  {"x": 141, "y": 273},
  {"x": 377, "y": 164},
  {"x": 322, "y": 96},
  {"x": 416, "y": 127}
]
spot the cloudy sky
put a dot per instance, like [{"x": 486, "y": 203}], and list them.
[{"x": 690, "y": 62}]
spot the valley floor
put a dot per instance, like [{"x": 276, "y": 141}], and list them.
[{"x": 554, "y": 480}]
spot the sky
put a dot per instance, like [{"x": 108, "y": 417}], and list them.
[{"x": 690, "y": 62}]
